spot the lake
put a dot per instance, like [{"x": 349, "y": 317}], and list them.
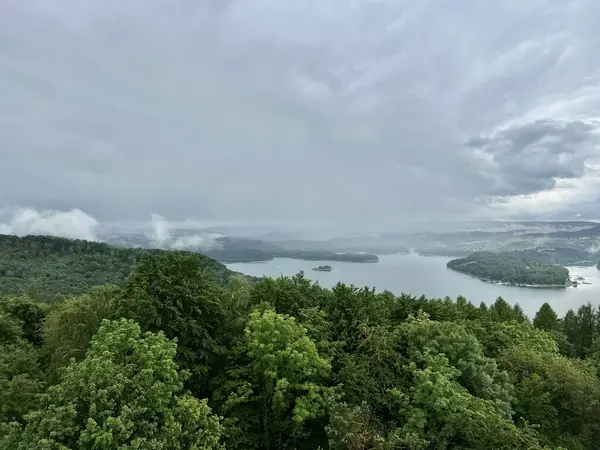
[{"x": 418, "y": 275}]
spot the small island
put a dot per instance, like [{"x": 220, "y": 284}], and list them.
[
  {"x": 325, "y": 268},
  {"x": 513, "y": 269}
]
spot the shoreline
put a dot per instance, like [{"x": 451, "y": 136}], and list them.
[{"x": 504, "y": 283}]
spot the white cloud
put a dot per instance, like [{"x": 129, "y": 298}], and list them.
[{"x": 73, "y": 223}]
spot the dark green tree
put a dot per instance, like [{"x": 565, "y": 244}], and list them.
[
  {"x": 30, "y": 313},
  {"x": 501, "y": 311},
  {"x": 546, "y": 319},
  {"x": 21, "y": 377},
  {"x": 171, "y": 292}
]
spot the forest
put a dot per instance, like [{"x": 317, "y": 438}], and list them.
[
  {"x": 512, "y": 268},
  {"x": 178, "y": 354},
  {"x": 45, "y": 267}
]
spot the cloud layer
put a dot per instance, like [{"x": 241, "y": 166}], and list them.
[{"x": 331, "y": 111}]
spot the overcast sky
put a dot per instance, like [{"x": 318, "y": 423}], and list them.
[{"x": 343, "y": 111}]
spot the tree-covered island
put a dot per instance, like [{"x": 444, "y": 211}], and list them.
[{"x": 512, "y": 268}]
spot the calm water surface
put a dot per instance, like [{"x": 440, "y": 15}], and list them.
[{"x": 429, "y": 276}]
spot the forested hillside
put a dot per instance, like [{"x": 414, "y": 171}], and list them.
[
  {"x": 172, "y": 359},
  {"x": 44, "y": 266},
  {"x": 512, "y": 268}
]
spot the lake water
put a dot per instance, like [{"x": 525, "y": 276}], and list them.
[{"x": 418, "y": 275}]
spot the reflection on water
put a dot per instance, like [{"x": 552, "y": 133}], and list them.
[{"x": 429, "y": 276}]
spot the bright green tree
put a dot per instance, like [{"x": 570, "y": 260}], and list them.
[
  {"x": 274, "y": 384},
  {"x": 127, "y": 393},
  {"x": 497, "y": 337}
]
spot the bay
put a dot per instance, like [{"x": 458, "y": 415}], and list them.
[{"x": 418, "y": 275}]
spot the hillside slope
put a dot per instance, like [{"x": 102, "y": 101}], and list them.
[{"x": 45, "y": 266}]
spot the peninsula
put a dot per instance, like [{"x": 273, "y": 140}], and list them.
[{"x": 511, "y": 268}]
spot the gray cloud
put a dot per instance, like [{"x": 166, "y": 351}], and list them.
[
  {"x": 324, "y": 111},
  {"x": 528, "y": 158}
]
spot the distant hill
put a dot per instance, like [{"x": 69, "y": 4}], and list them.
[
  {"x": 588, "y": 232},
  {"x": 232, "y": 249},
  {"x": 560, "y": 255},
  {"x": 45, "y": 266}
]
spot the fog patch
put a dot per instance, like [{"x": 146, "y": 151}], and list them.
[{"x": 166, "y": 235}]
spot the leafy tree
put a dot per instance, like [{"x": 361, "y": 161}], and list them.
[
  {"x": 171, "y": 292},
  {"x": 354, "y": 428},
  {"x": 432, "y": 387},
  {"x": 350, "y": 308},
  {"x": 21, "y": 377},
  {"x": 30, "y": 313},
  {"x": 497, "y": 337},
  {"x": 518, "y": 313},
  {"x": 582, "y": 329},
  {"x": 546, "y": 319},
  {"x": 127, "y": 393},
  {"x": 558, "y": 395},
  {"x": 287, "y": 295},
  {"x": 236, "y": 307},
  {"x": 71, "y": 323},
  {"x": 274, "y": 385},
  {"x": 588, "y": 330},
  {"x": 501, "y": 311}
]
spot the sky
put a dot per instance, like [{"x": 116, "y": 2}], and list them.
[{"x": 354, "y": 113}]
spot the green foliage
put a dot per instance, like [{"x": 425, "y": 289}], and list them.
[
  {"x": 432, "y": 387},
  {"x": 559, "y": 395},
  {"x": 559, "y": 255},
  {"x": 510, "y": 267},
  {"x": 289, "y": 364},
  {"x": 171, "y": 292},
  {"x": 46, "y": 267},
  {"x": 127, "y": 393},
  {"x": 71, "y": 323},
  {"x": 546, "y": 319},
  {"x": 582, "y": 330},
  {"x": 287, "y": 295},
  {"x": 354, "y": 428},
  {"x": 30, "y": 313},
  {"x": 499, "y": 336},
  {"x": 236, "y": 306},
  {"x": 21, "y": 378},
  {"x": 274, "y": 384}
]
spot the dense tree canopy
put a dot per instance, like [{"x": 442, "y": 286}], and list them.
[
  {"x": 171, "y": 357},
  {"x": 126, "y": 393}
]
